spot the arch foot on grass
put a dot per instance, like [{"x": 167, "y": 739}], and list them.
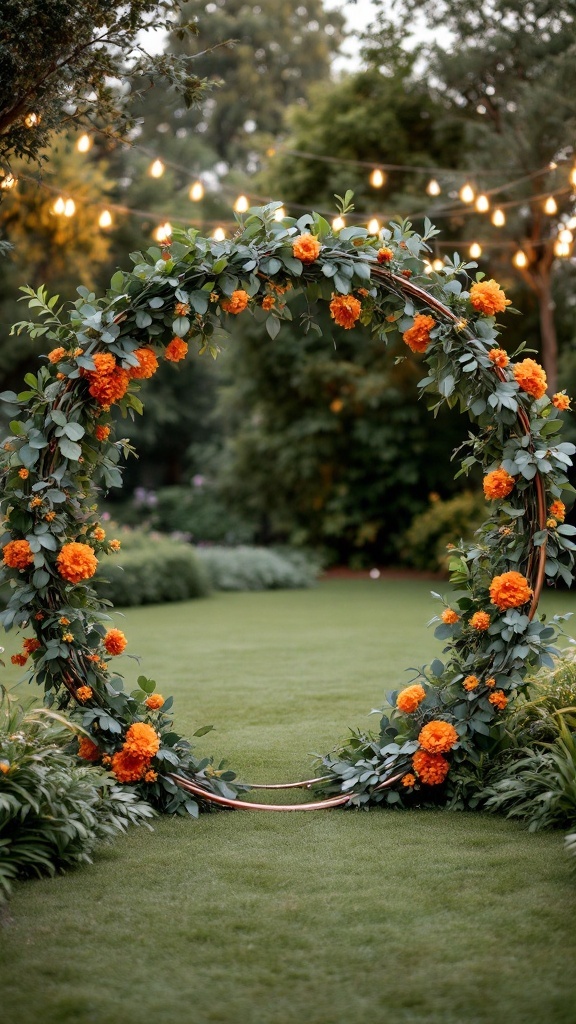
[{"x": 244, "y": 805}]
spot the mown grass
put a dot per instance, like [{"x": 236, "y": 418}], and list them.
[{"x": 324, "y": 918}]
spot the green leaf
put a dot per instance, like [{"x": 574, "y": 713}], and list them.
[
  {"x": 69, "y": 449},
  {"x": 272, "y": 326},
  {"x": 203, "y": 730},
  {"x": 74, "y": 431},
  {"x": 181, "y": 326},
  {"x": 148, "y": 685}
]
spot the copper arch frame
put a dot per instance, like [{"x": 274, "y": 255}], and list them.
[{"x": 535, "y": 572}]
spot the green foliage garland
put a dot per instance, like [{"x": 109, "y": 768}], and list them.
[{"x": 58, "y": 457}]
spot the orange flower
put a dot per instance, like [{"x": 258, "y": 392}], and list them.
[
  {"x": 68, "y": 637},
  {"x": 558, "y": 510},
  {"x": 479, "y": 621},
  {"x": 268, "y": 302},
  {"x": 76, "y": 562},
  {"x": 93, "y": 657},
  {"x": 115, "y": 545},
  {"x": 31, "y": 645},
  {"x": 487, "y": 297},
  {"x": 236, "y": 303},
  {"x": 306, "y": 248},
  {"x": 410, "y": 698},
  {"x": 99, "y": 533},
  {"x": 408, "y": 780},
  {"x": 17, "y": 554},
  {"x": 50, "y": 516},
  {"x": 551, "y": 523},
  {"x": 35, "y": 503},
  {"x": 417, "y": 337},
  {"x": 19, "y": 659},
  {"x": 181, "y": 309},
  {"x": 432, "y": 768},
  {"x": 87, "y": 749},
  {"x": 83, "y": 693},
  {"x": 345, "y": 310},
  {"x": 141, "y": 740},
  {"x": 148, "y": 364},
  {"x": 4, "y": 767},
  {"x": 530, "y": 377},
  {"x": 128, "y": 767},
  {"x": 114, "y": 641},
  {"x": 23, "y": 474},
  {"x": 497, "y": 484},
  {"x": 151, "y": 775},
  {"x": 510, "y": 590},
  {"x": 384, "y": 255},
  {"x": 39, "y": 616},
  {"x": 499, "y": 357},
  {"x": 449, "y": 616},
  {"x": 437, "y": 737},
  {"x": 561, "y": 400},
  {"x": 56, "y": 354},
  {"x": 499, "y": 699},
  {"x": 176, "y": 350},
  {"x": 490, "y": 682},
  {"x": 108, "y": 382},
  {"x": 406, "y": 273},
  {"x": 471, "y": 682},
  {"x": 101, "y": 433},
  {"x": 154, "y": 701},
  {"x": 336, "y": 405}
]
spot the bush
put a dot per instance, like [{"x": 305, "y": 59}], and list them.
[
  {"x": 150, "y": 570},
  {"x": 195, "y": 512},
  {"x": 54, "y": 811},
  {"x": 445, "y": 522},
  {"x": 248, "y": 568}
]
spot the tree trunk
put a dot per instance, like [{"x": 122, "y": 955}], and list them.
[{"x": 548, "y": 333}]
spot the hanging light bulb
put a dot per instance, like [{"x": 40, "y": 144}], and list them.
[
  {"x": 280, "y": 213},
  {"x": 163, "y": 232},
  {"x": 498, "y": 218},
  {"x": 338, "y": 223},
  {"x": 69, "y": 208},
  {"x": 565, "y": 236},
  {"x": 377, "y": 178},
  {"x": 219, "y": 234},
  {"x": 437, "y": 264},
  {"x": 475, "y": 251},
  {"x": 373, "y": 226},
  {"x": 571, "y": 223},
  {"x": 561, "y": 248},
  {"x": 467, "y": 193},
  {"x": 433, "y": 188},
  {"x": 59, "y": 206},
  {"x": 428, "y": 268},
  {"x": 84, "y": 144},
  {"x": 551, "y": 206},
  {"x": 156, "y": 169},
  {"x": 241, "y": 204},
  {"x": 573, "y": 176},
  {"x": 520, "y": 259},
  {"x": 32, "y": 119},
  {"x": 105, "y": 219},
  {"x": 196, "y": 192},
  {"x": 482, "y": 203},
  {"x": 552, "y": 165},
  {"x": 8, "y": 182}
]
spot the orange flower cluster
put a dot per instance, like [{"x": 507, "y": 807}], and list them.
[
  {"x": 108, "y": 382},
  {"x": 345, "y": 310},
  {"x": 498, "y": 699},
  {"x": 268, "y": 302},
  {"x": 99, "y": 534},
  {"x": 490, "y": 682},
  {"x": 23, "y": 474},
  {"x": 479, "y": 621},
  {"x": 132, "y": 762},
  {"x": 181, "y": 309},
  {"x": 487, "y": 297},
  {"x": 19, "y": 659},
  {"x": 497, "y": 484},
  {"x": 417, "y": 337},
  {"x": 385, "y": 254},
  {"x": 499, "y": 357},
  {"x": 408, "y": 779},
  {"x": 449, "y": 616},
  {"x": 128, "y": 767},
  {"x": 410, "y": 698},
  {"x": 115, "y": 641},
  {"x": 437, "y": 737},
  {"x": 115, "y": 545},
  {"x": 154, "y": 701},
  {"x": 510, "y": 590},
  {"x": 470, "y": 683},
  {"x": 76, "y": 562},
  {"x": 176, "y": 350},
  {"x": 558, "y": 510},
  {"x": 87, "y": 749},
  {"x": 56, "y": 354},
  {"x": 83, "y": 693},
  {"x": 17, "y": 554},
  {"x": 142, "y": 740},
  {"x": 432, "y": 768},
  {"x": 306, "y": 248},
  {"x": 530, "y": 377},
  {"x": 102, "y": 433},
  {"x": 147, "y": 364},
  {"x": 236, "y": 303},
  {"x": 562, "y": 401},
  {"x": 31, "y": 644}
]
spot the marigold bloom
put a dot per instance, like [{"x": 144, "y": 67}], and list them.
[
  {"x": 490, "y": 682},
  {"x": 93, "y": 657},
  {"x": 181, "y": 309},
  {"x": 561, "y": 400},
  {"x": 83, "y": 693},
  {"x": 128, "y": 767},
  {"x": 431, "y": 768},
  {"x": 108, "y": 382},
  {"x": 479, "y": 621},
  {"x": 176, "y": 350},
  {"x": 114, "y": 641},
  {"x": 88, "y": 750},
  {"x": 115, "y": 545},
  {"x": 35, "y": 503},
  {"x": 101, "y": 432},
  {"x": 487, "y": 297},
  {"x": 470, "y": 683},
  {"x": 417, "y": 337},
  {"x": 17, "y": 554},
  {"x": 147, "y": 364},
  {"x": 558, "y": 510},
  {"x": 23, "y": 473},
  {"x": 385, "y": 254},
  {"x": 68, "y": 637},
  {"x": 141, "y": 740},
  {"x": 510, "y": 590},
  {"x": 449, "y": 616},
  {"x": 306, "y": 248},
  {"x": 437, "y": 737},
  {"x": 268, "y": 302},
  {"x": 408, "y": 779},
  {"x": 56, "y": 354},
  {"x": 407, "y": 274},
  {"x": 410, "y": 698},
  {"x": 19, "y": 659},
  {"x": 64, "y": 621},
  {"x": 499, "y": 699},
  {"x": 4, "y": 767},
  {"x": 236, "y": 303},
  {"x": 151, "y": 775},
  {"x": 499, "y": 357},
  {"x": 76, "y": 562},
  {"x": 154, "y": 701},
  {"x": 31, "y": 644},
  {"x": 99, "y": 534},
  {"x": 551, "y": 524},
  {"x": 497, "y": 484},
  {"x": 530, "y": 377},
  {"x": 345, "y": 310},
  {"x": 50, "y": 516}
]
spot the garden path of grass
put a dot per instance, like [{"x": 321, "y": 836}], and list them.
[{"x": 325, "y": 918}]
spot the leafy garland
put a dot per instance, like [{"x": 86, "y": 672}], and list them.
[{"x": 61, "y": 454}]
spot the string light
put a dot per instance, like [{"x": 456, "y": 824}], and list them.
[
  {"x": 59, "y": 206},
  {"x": 219, "y": 234},
  {"x": 373, "y": 226},
  {"x": 437, "y": 264},
  {"x": 433, "y": 188},
  {"x": 84, "y": 144},
  {"x": 32, "y": 119},
  {"x": 520, "y": 259},
  {"x": 428, "y": 268},
  {"x": 475, "y": 251},
  {"x": 338, "y": 223},
  {"x": 550, "y": 206},
  {"x": 280, "y": 213},
  {"x": 163, "y": 232},
  {"x": 561, "y": 248},
  {"x": 105, "y": 219},
  {"x": 196, "y": 192},
  {"x": 498, "y": 218},
  {"x": 241, "y": 204},
  {"x": 482, "y": 204},
  {"x": 571, "y": 223},
  {"x": 565, "y": 236},
  {"x": 377, "y": 178},
  {"x": 573, "y": 176},
  {"x": 467, "y": 193},
  {"x": 8, "y": 182},
  {"x": 156, "y": 169}
]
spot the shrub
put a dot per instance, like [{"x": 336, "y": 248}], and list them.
[
  {"x": 150, "y": 570},
  {"x": 445, "y": 522},
  {"x": 250, "y": 568},
  {"x": 195, "y": 511}
]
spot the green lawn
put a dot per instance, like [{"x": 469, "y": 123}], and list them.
[{"x": 333, "y": 917}]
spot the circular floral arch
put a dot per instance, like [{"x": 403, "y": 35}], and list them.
[{"x": 61, "y": 453}]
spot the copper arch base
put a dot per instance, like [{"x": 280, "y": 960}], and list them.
[{"x": 245, "y": 805}]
